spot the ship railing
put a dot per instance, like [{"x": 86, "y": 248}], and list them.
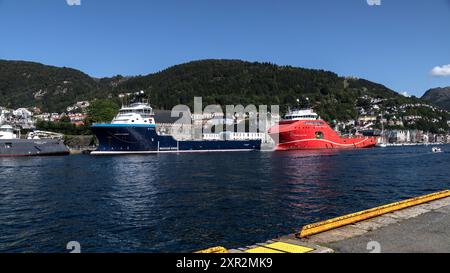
[{"x": 351, "y": 136}]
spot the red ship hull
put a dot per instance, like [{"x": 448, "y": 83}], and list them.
[{"x": 314, "y": 134}]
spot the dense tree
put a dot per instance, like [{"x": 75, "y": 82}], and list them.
[{"x": 102, "y": 111}]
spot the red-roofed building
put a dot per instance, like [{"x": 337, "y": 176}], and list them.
[{"x": 77, "y": 118}]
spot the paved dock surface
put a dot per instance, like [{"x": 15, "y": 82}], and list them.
[
  {"x": 422, "y": 228},
  {"x": 426, "y": 233}
]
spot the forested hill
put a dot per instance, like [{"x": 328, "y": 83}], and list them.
[
  {"x": 25, "y": 84},
  {"x": 233, "y": 81},
  {"x": 439, "y": 97},
  {"x": 28, "y": 84}
]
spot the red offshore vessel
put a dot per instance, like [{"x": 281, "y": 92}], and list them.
[{"x": 303, "y": 130}]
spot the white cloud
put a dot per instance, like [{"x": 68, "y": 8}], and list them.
[
  {"x": 441, "y": 71},
  {"x": 405, "y": 94}
]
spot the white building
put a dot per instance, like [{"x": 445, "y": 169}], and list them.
[
  {"x": 22, "y": 113},
  {"x": 264, "y": 137}
]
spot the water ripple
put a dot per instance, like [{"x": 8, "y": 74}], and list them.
[{"x": 167, "y": 203}]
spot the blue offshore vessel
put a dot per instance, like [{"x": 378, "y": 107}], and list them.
[{"x": 134, "y": 131}]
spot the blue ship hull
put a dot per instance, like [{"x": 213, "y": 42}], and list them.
[{"x": 142, "y": 139}]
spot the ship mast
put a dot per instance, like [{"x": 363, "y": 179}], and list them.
[{"x": 383, "y": 140}]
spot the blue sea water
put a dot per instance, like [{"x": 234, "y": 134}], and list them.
[{"x": 186, "y": 202}]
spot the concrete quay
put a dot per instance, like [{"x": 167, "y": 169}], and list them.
[
  {"x": 417, "y": 225},
  {"x": 421, "y": 229}
]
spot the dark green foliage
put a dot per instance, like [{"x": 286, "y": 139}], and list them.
[
  {"x": 237, "y": 82},
  {"x": 426, "y": 123},
  {"x": 65, "y": 119},
  {"x": 27, "y": 84},
  {"x": 102, "y": 111},
  {"x": 221, "y": 82}
]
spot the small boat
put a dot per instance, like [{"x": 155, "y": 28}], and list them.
[
  {"x": 381, "y": 145},
  {"x": 436, "y": 150}
]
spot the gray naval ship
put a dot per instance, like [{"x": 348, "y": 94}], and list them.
[{"x": 12, "y": 145}]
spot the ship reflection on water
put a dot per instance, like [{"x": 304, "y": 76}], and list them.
[
  {"x": 305, "y": 175},
  {"x": 184, "y": 202}
]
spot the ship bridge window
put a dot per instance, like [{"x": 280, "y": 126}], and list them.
[
  {"x": 314, "y": 123},
  {"x": 319, "y": 135},
  {"x": 144, "y": 111},
  {"x": 301, "y": 117}
]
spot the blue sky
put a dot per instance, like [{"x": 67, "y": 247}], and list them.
[{"x": 396, "y": 44}]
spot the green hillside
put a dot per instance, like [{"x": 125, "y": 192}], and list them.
[
  {"x": 26, "y": 84},
  {"x": 237, "y": 82},
  {"x": 439, "y": 97}
]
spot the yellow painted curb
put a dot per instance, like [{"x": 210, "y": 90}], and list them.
[
  {"x": 280, "y": 247},
  {"x": 263, "y": 250},
  {"x": 319, "y": 227},
  {"x": 289, "y": 248},
  {"x": 217, "y": 249}
]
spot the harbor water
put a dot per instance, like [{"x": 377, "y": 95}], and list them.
[{"x": 186, "y": 202}]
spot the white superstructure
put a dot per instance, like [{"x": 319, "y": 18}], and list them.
[
  {"x": 307, "y": 114},
  {"x": 137, "y": 113},
  {"x": 7, "y": 132}
]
